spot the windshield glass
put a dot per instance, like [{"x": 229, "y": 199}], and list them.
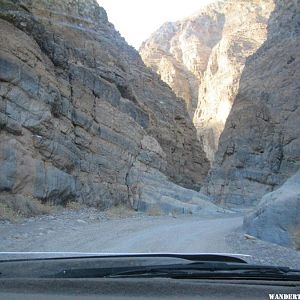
[{"x": 150, "y": 127}]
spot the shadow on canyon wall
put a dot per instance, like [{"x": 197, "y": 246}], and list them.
[{"x": 260, "y": 145}]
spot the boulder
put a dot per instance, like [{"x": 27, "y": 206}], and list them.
[{"x": 277, "y": 216}]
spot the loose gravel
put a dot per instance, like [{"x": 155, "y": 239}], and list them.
[{"x": 89, "y": 230}]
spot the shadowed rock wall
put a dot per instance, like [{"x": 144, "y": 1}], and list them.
[
  {"x": 260, "y": 145},
  {"x": 78, "y": 108}
]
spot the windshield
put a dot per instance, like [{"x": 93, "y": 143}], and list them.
[{"x": 150, "y": 127}]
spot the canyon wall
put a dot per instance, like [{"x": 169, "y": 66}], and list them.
[
  {"x": 260, "y": 145},
  {"x": 179, "y": 51},
  {"x": 202, "y": 58},
  {"x": 80, "y": 113}
]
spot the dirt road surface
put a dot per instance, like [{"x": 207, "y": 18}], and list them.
[{"x": 90, "y": 231}]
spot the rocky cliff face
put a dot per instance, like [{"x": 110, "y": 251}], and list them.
[
  {"x": 80, "y": 112},
  {"x": 179, "y": 51},
  {"x": 243, "y": 33},
  {"x": 260, "y": 145},
  {"x": 202, "y": 58}
]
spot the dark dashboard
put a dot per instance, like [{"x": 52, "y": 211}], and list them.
[{"x": 144, "y": 277}]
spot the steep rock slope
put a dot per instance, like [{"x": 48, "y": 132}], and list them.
[
  {"x": 202, "y": 58},
  {"x": 79, "y": 109},
  {"x": 243, "y": 33},
  {"x": 260, "y": 145},
  {"x": 277, "y": 216},
  {"x": 179, "y": 51}
]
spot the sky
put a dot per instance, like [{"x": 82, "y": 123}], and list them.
[{"x": 137, "y": 19}]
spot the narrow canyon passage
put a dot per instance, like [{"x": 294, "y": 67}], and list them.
[{"x": 89, "y": 123}]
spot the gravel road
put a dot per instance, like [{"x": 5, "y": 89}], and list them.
[{"x": 90, "y": 231}]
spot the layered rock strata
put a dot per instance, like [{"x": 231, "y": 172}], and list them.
[
  {"x": 202, "y": 58},
  {"x": 79, "y": 109},
  {"x": 179, "y": 51},
  {"x": 243, "y": 33},
  {"x": 260, "y": 145}
]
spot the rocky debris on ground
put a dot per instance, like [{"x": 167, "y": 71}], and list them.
[
  {"x": 276, "y": 218},
  {"x": 249, "y": 237},
  {"x": 78, "y": 107},
  {"x": 30, "y": 230},
  {"x": 260, "y": 146},
  {"x": 91, "y": 230},
  {"x": 202, "y": 57},
  {"x": 262, "y": 252}
]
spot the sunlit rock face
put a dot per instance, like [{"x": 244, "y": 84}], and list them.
[
  {"x": 179, "y": 51},
  {"x": 79, "y": 110},
  {"x": 260, "y": 145},
  {"x": 202, "y": 58},
  {"x": 244, "y": 31}
]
